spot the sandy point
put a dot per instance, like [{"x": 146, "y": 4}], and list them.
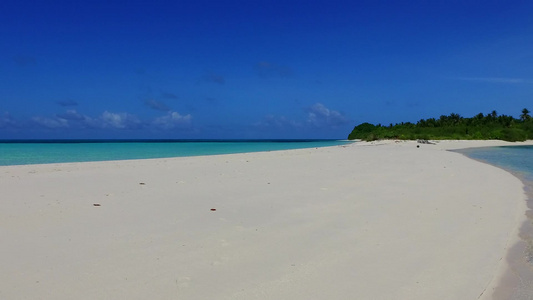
[{"x": 381, "y": 220}]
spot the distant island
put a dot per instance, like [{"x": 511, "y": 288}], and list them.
[{"x": 452, "y": 127}]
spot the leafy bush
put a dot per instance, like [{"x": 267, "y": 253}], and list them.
[
  {"x": 362, "y": 131},
  {"x": 479, "y": 127},
  {"x": 513, "y": 135}
]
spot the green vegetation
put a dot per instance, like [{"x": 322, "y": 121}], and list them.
[{"x": 452, "y": 127}]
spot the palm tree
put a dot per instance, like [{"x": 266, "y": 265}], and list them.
[
  {"x": 525, "y": 115},
  {"x": 455, "y": 118}
]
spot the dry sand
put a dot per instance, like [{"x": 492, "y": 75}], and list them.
[{"x": 379, "y": 220}]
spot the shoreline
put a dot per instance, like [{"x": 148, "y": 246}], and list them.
[
  {"x": 288, "y": 224},
  {"x": 514, "y": 280}
]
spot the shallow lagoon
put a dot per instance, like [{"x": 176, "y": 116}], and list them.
[{"x": 517, "y": 159}]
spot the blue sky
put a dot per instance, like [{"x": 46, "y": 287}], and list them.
[{"x": 256, "y": 69}]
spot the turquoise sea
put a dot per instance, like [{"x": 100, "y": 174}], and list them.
[
  {"x": 516, "y": 159},
  {"x": 60, "y": 151}
]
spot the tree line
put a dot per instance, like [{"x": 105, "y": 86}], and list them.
[{"x": 452, "y": 127}]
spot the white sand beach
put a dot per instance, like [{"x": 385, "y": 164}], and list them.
[{"x": 383, "y": 220}]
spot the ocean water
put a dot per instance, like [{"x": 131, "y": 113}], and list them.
[
  {"x": 517, "y": 159},
  {"x": 44, "y": 152}
]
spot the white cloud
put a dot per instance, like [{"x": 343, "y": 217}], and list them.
[
  {"x": 50, "y": 123},
  {"x": 6, "y": 121},
  {"x": 107, "y": 120},
  {"x": 72, "y": 115},
  {"x": 320, "y": 116},
  {"x": 173, "y": 120},
  {"x": 119, "y": 120}
]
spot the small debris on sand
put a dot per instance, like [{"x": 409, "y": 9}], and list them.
[
  {"x": 142, "y": 183},
  {"x": 425, "y": 142},
  {"x": 96, "y": 204},
  {"x": 213, "y": 209}
]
